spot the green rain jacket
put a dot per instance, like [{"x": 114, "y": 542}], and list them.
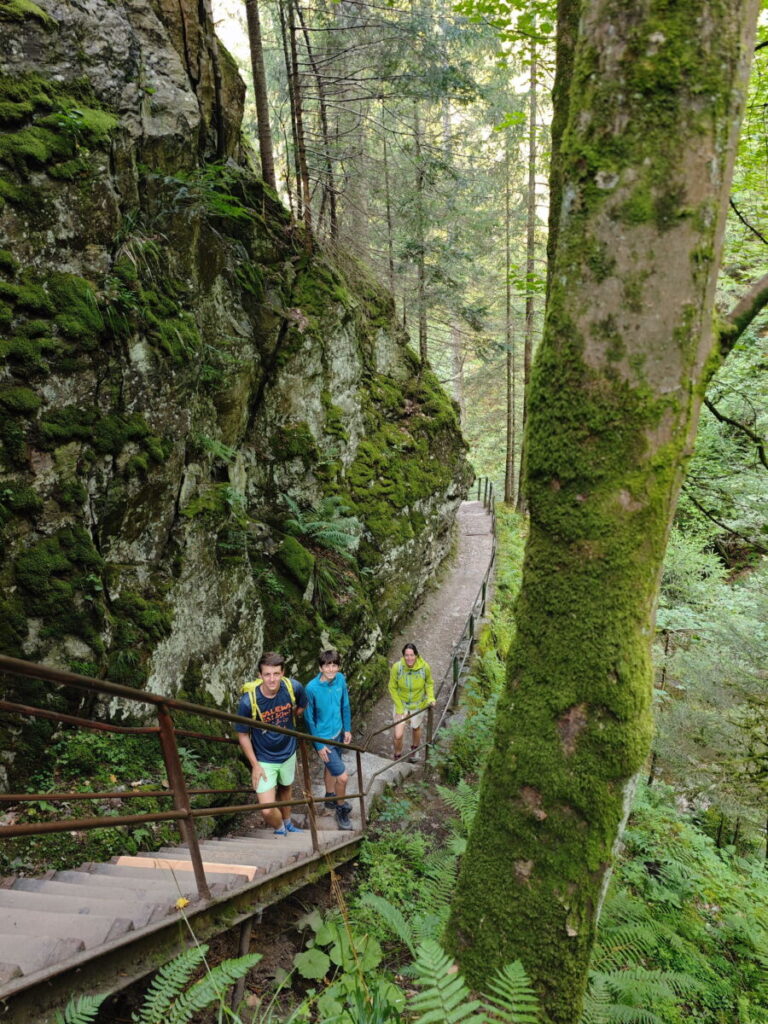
[{"x": 411, "y": 688}]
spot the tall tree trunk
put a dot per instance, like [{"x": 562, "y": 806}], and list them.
[
  {"x": 509, "y": 474},
  {"x": 292, "y": 103},
  {"x": 330, "y": 184},
  {"x": 302, "y": 184},
  {"x": 390, "y": 232},
  {"x": 260, "y": 93},
  {"x": 655, "y": 101},
  {"x": 421, "y": 274},
  {"x": 530, "y": 269}
]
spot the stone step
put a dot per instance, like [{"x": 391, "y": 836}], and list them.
[
  {"x": 7, "y": 973},
  {"x": 65, "y": 898},
  {"x": 269, "y": 860},
  {"x": 93, "y": 929},
  {"x": 155, "y": 886},
  {"x": 33, "y": 954}
]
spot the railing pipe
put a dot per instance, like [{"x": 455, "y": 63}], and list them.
[
  {"x": 361, "y": 788},
  {"x": 308, "y": 795},
  {"x": 181, "y": 801}
]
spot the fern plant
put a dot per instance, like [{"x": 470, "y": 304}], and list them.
[{"x": 327, "y": 524}]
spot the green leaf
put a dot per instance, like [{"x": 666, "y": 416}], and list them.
[{"x": 312, "y": 964}]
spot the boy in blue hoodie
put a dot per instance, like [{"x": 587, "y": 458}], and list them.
[{"x": 327, "y": 714}]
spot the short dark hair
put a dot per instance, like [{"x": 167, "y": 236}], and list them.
[
  {"x": 272, "y": 659},
  {"x": 411, "y": 647},
  {"x": 331, "y": 657}
]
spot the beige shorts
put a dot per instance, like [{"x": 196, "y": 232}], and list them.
[{"x": 416, "y": 722}]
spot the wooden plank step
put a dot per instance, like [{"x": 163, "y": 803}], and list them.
[
  {"x": 93, "y": 929},
  {"x": 156, "y": 887},
  {"x": 183, "y": 874},
  {"x": 180, "y": 860},
  {"x": 33, "y": 954},
  {"x": 271, "y": 859},
  {"x": 61, "y": 897}
]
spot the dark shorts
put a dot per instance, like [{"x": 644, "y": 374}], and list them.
[{"x": 335, "y": 762}]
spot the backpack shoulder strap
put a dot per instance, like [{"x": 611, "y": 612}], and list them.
[{"x": 250, "y": 688}]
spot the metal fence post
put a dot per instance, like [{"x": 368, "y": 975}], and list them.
[
  {"x": 471, "y": 633},
  {"x": 485, "y": 494},
  {"x": 482, "y": 604},
  {"x": 455, "y": 689},
  {"x": 360, "y": 788},
  {"x": 479, "y": 479},
  {"x": 308, "y": 794},
  {"x": 430, "y": 730},
  {"x": 181, "y": 797}
]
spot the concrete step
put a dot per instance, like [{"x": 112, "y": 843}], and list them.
[
  {"x": 64, "y": 898},
  {"x": 7, "y": 973},
  {"x": 93, "y": 929},
  {"x": 184, "y": 875},
  {"x": 33, "y": 954}
]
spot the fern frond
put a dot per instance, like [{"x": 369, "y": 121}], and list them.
[
  {"x": 439, "y": 882},
  {"x": 168, "y": 983},
  {"x": 597, "y": 1003},
  {"x": 82, "y": 1010},
  {"x": 639, "y": 985},
  {"x": 445, "y": 998},
  {"x": 392, "y": 918},
  {"x": 426, "y": 926},
  {"x": 512, "y": 998},
  {"x": 211, "y": 988},
  {"x": 463, "y": 799}
]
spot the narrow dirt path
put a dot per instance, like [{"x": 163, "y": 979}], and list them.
[{"x": 437, "y": 623}]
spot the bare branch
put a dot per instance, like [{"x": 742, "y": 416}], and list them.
[
  {"x": 755, "y": 438},
  {"x": 718, "y": 522},
  {"x": 743, "y": 313}
]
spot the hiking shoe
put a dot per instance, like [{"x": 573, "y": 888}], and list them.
[
  {"x": 281, "y": 831},
  {"x": 412, "y": 757},
  {"x": 342, "y": 820},
  {"x": 346, "y": 806},
  {"x": 290, "y": 827}
]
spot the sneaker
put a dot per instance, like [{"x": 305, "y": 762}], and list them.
[
  {"x": 413, "y": 756},
  {"x": 346, "y": 806},
  {"x": 342, "y": 820},
  {"x": 281, "y": 831},
  {"x": 290, "y": 827}
]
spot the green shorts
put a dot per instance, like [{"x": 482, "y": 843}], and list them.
[{"x": 281, "y": 774}]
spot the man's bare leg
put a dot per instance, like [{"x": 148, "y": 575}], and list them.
[{"x": 272, "y": 816}]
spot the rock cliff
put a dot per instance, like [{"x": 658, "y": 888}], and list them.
[{"x": 214, "y": 440}]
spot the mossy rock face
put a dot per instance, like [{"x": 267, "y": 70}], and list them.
[{"x": 174, "y": 363}]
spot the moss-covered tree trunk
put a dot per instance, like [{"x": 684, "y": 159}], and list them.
[{"x": 654, "y": 102}]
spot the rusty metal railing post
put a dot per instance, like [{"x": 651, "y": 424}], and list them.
[
  {"x": 308, "y": 794},
  {"x": 430, "y": 731},
  {"x": 479, "y": 481},
  {"x": 360, "y": 787},
  {"x": 455, "y": 689},
  {"x": 178, "y": 786},
  {"x": 471, "y": 633},
  {"x": 482, "y": 603}
]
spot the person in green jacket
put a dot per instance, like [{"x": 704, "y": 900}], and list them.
[{"x": 412, "y": 689}]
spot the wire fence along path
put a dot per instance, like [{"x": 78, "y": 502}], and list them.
[{"x": 105, "y": 920}]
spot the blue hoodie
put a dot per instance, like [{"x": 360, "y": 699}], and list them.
[{"x": 327, "y": 713}]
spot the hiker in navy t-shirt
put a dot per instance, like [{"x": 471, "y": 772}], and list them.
[{"x": 276, "y": 700}]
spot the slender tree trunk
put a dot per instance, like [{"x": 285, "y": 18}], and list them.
[
  {"x": 509, "y": 474},
  {"x": 719, "y": 836},
  {"x": 390, "y": 233},
  {"x": 260, "y": 93},
  {"x": 289, "y": 70},
  {"x": 299, "y": 114},
  {"x": 530, "y": 269},
  {"x": 330, "y": 184},
  {"x": 421, "y": 274},
  {"x": 655, "y": 101}
]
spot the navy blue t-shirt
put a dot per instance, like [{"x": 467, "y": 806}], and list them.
[{"x": 269, "y": 746}]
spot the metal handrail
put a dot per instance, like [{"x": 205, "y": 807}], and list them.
[{"x": 183, "y": 813}]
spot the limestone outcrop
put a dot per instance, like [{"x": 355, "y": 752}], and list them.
[{"x": 214, "y": 440}]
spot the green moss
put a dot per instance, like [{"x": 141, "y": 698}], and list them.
[
  {"x": 334, "y": 418},
  {"x": 297, "y": 561},
  {"x": 17, "y": 498},
  {"x": 24, "y": 353},
  {"x": 8, "y": 262},
  {"x": 295, "y": 441},
  {"x": 20, "y": 10},
  {"x": 20, "y": 401},
  {"x": 13, "y": 625},
  {"x": 58, "y": 580},
  {"x": 26, "y": 296},
  {"x": 6, "y": 316}
]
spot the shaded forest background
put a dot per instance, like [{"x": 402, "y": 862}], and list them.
[{"x": 416, "y": 137}]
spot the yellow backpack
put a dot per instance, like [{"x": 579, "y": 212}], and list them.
[{"x": 250, "y": 689}]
